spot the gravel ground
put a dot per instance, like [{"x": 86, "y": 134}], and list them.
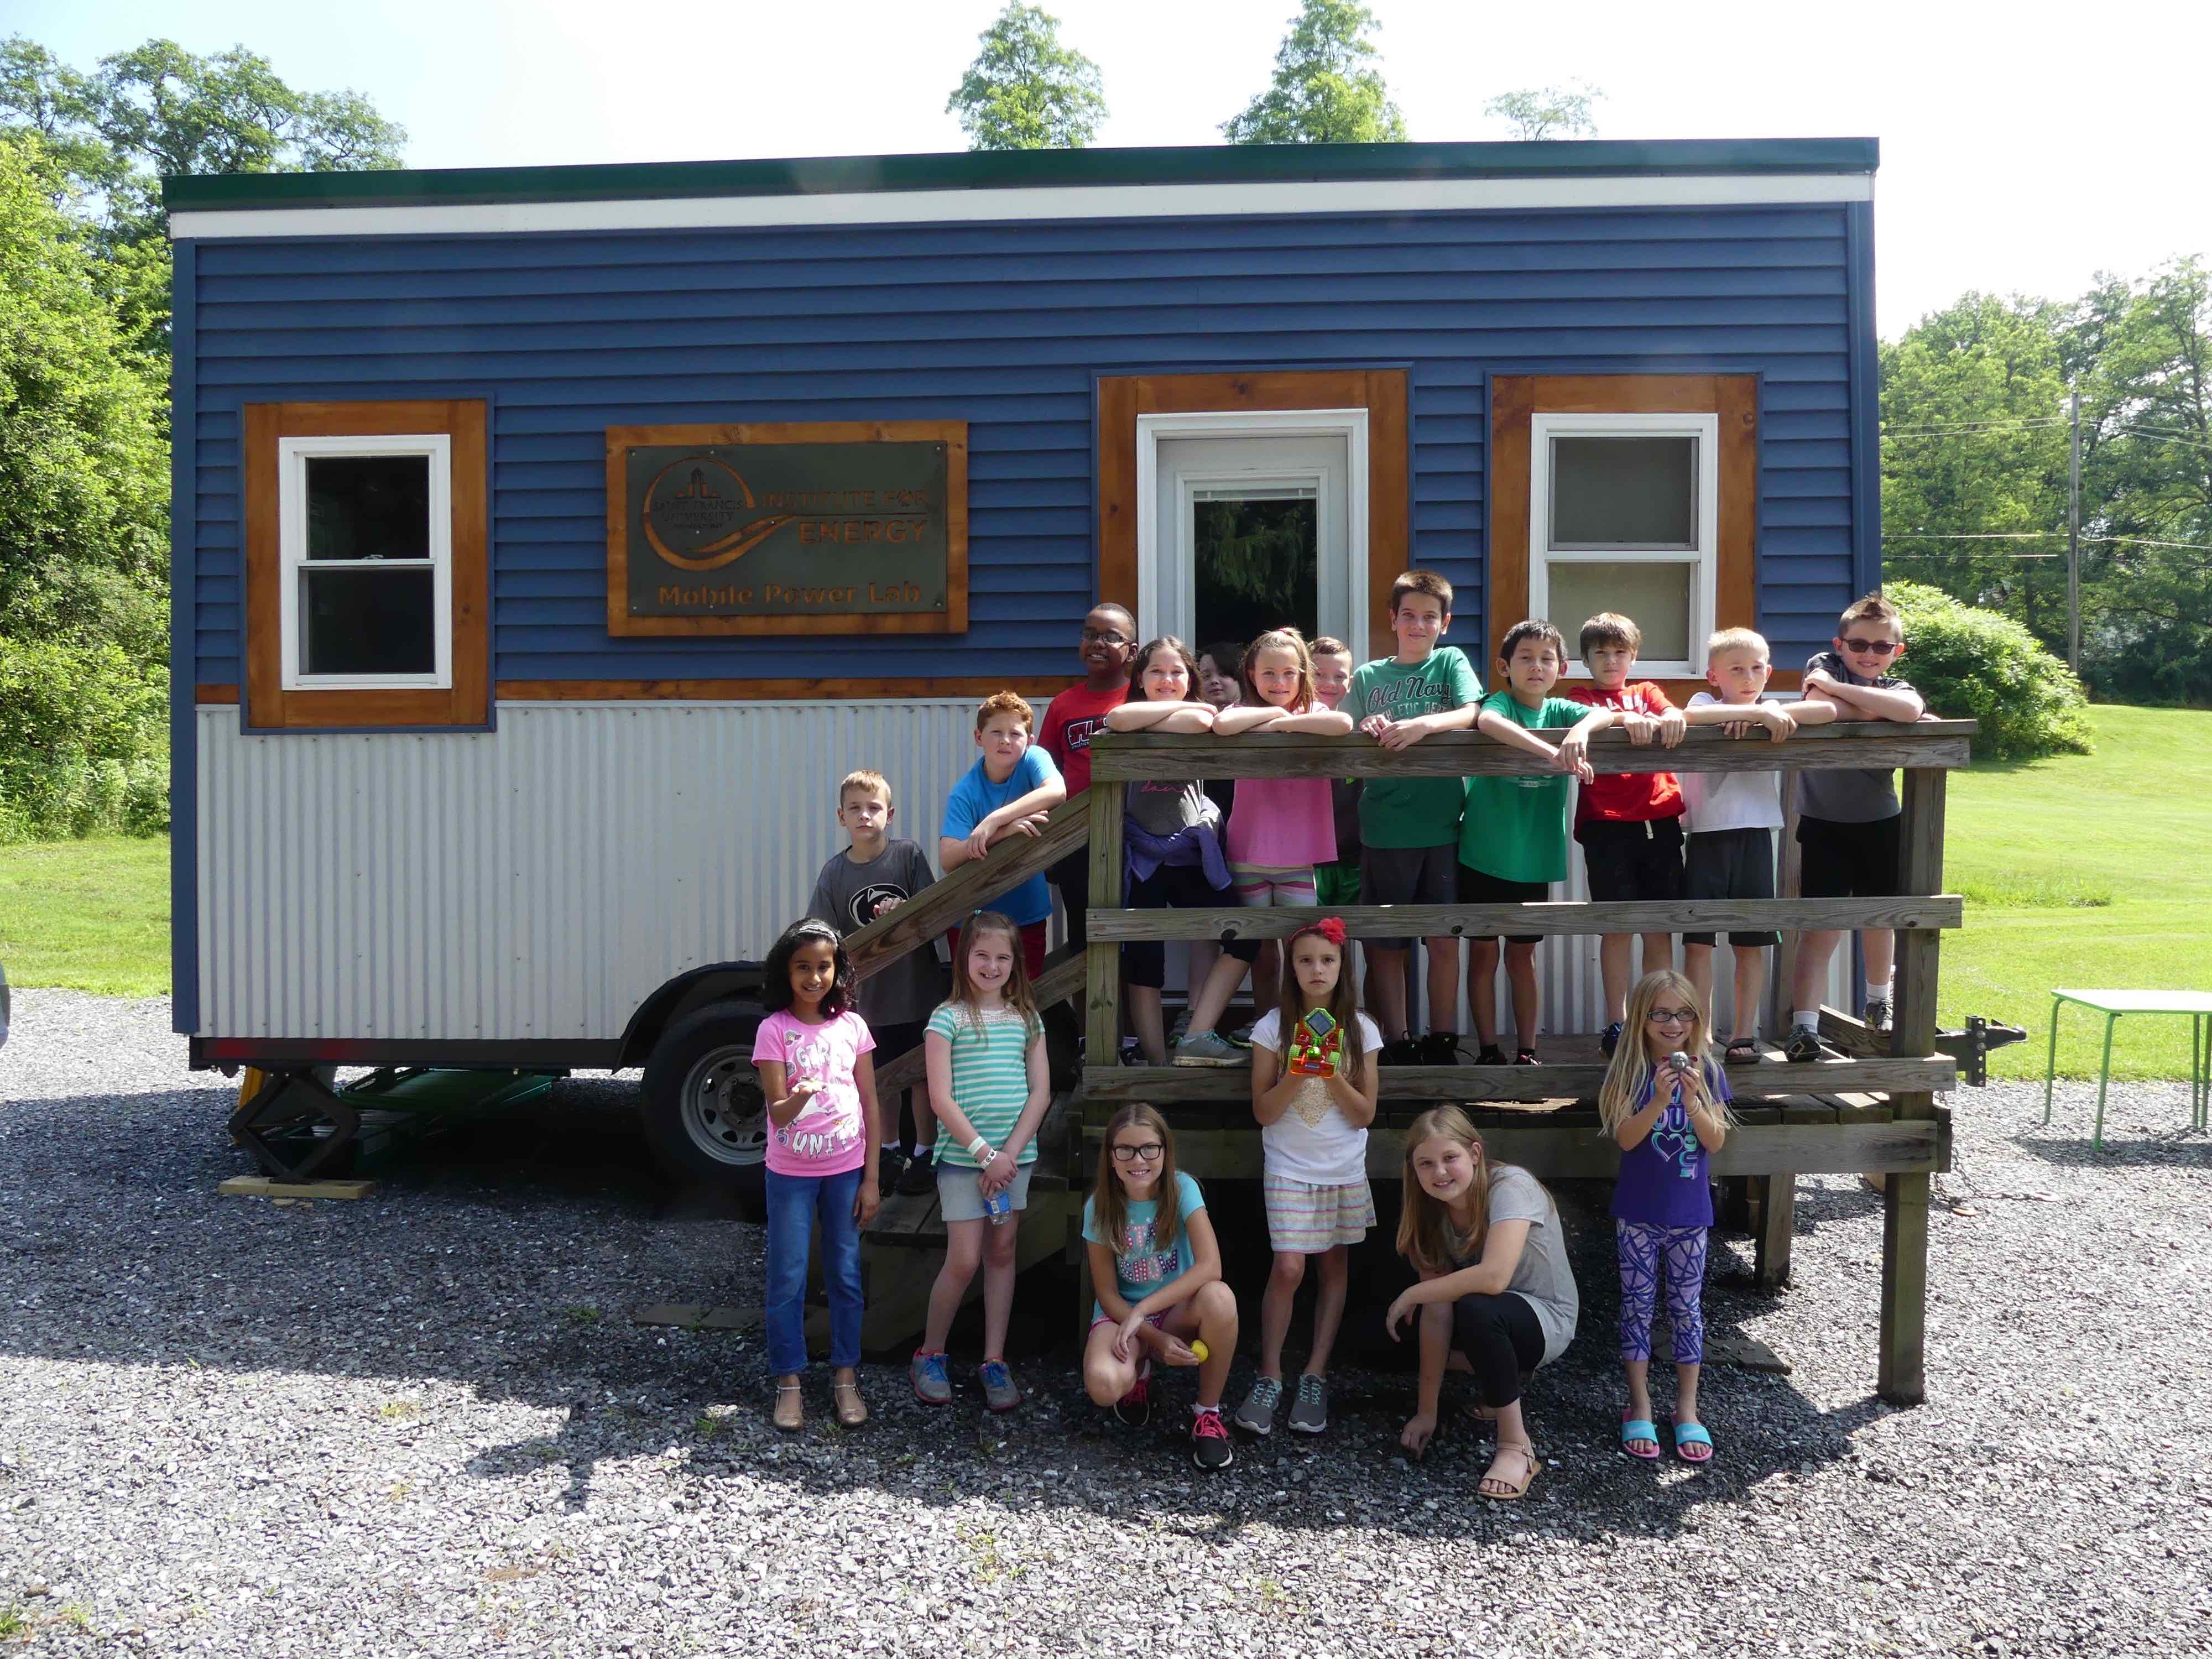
[{"x": 422, "y": 1423}]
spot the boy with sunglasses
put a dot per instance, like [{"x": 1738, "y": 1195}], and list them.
[{"x": 1848, "y": 822}]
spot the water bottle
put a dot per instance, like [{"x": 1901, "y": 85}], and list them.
[{"x": 998, "y": 1205}]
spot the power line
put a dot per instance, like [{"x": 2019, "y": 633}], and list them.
[
  {"x": 1971, "y": 425},
  {"x": 1982, "y": 536},
  {"x": 2159, "y": 434}
]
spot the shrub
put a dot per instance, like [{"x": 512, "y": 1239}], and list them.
[
  {"x": 84, "y": 741},
  {"x": 1975, "y": 664}
]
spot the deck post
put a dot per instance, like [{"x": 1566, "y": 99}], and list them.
[
  {"x": 1103, "y": 962},
  {"x": 1902, "y": 1373}
]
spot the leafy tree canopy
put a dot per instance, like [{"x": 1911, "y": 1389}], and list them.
[
  {"x": 1025, "y": 90},
  {"x": 1326, "y": 88},
  {"x": 1547, "y": 112}
]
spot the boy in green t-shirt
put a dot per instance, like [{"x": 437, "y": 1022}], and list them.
[
  {"x": 1513, "y": 835},
  {"x": 1409, "y": 827}
]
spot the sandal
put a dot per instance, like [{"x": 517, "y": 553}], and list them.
[
  {"x": 1478, "y": 1412},
  {"x": 846, "y": 1398},
  {"x": 1508, "y": 1492},
  {"x": 1687, "y": 1435},
  {"x": 790, "y": 1411},
  {"x": 1742, "y": 1051},
  {"x": 1635, "y": 1429}
]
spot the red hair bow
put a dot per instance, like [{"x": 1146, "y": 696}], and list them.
[{"x": 1329, "y": 928}]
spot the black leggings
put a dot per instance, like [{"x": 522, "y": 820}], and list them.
[{"x": 1501, "y": 1339}]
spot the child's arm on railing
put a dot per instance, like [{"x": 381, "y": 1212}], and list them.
[
  {"x": 1514, "y": 736},
  {"x": 1021, "y": 816},
  {"x": 1247, "y": 717},
  {"x": 1316, "y": 722},
  {"x": 1160, "y": 717},
  {"x": 1737, "y": 719},
  {"x": 1404, "y": 734},
  {"x": 1867, "y": 702}
]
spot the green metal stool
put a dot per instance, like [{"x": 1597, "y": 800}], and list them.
[{"x": 2198, "y": 1005}]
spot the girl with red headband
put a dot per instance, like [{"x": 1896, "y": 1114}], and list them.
[{"x": 1314, "y": 1087}]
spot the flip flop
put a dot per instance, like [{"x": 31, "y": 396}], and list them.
[
  {"x": 1639, "y": 1428},
  {"x": 1691, "y": 1434},
  {"x": 1742, "y": 1051}
]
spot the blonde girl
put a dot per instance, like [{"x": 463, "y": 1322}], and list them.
[
  {"x": 1313, "y": 1085},
  {"x": 1496, "y": 1296},
  {"x": 989, "y": 1085},
  {"x": 1158, "y": 1269},
  {"x": 1280, "y": 829},
  {"x": 1667, "y": 1103},
  {"x": 1172, "y": 831}
]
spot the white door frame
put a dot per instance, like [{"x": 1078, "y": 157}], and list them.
[{"x": 1350, "y": 424}]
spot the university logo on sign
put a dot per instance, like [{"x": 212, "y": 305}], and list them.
[{"x": 830, "y": 528}]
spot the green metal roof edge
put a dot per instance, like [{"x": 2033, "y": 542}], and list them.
[{"x": 1211, "y": 164}]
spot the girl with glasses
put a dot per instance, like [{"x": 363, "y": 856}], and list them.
[
  {"x": 1158, "y": 1269},
  {"x": 1666, "y": 1103}
]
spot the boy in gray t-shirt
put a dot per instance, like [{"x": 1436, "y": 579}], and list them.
[
  {"x": 872, "y": 877},
  {"x": 1848, "y": 820}
]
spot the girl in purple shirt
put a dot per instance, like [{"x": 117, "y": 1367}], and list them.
[{"x": 1667, "y": 1103}]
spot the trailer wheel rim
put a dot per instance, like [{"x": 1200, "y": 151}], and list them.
[{"x": 724, "y": 1113}]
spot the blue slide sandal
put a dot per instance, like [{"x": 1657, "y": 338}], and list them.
[
  {"x": 1692, "y": 1434},
  {"x": 1633, "y": 1429}
]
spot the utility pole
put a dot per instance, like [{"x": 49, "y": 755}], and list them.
[{"x": 2073, "y": 540}]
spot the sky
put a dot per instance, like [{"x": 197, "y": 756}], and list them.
[{"x": 2023, "y": 152}]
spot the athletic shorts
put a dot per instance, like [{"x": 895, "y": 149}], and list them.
[
  {"x": 1641, "y": 859},
  {"x": 960, "y": 1190},
  {"x": 1033, "y": 947},
  {"x": 1304, "y": 1219},
  {"x": 1850, "y": 860},
  {"x": 1730, "y": 864},
  {"x": 1480, "y": 887},
  {"x": 1336, "y": 884},
  {"x": 1408, "y": 875}
]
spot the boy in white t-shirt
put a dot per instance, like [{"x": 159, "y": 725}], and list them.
[
  {"x": 1314, "y": 1087},
  {"x": 1731, "y": 817}
]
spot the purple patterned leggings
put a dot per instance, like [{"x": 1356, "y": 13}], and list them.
[{"x": 1641, "y": 1246}]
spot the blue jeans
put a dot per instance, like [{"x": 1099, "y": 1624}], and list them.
[{"x": 794, "y": 1201}]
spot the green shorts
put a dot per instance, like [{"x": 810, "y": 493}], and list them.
[{"x": 1336, "y": 884}]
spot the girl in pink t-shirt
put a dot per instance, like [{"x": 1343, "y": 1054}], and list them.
[{"x": 813, "y": 1051}]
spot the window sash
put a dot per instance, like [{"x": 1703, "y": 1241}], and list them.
[
  {"x": 292, "y": 457},
  {"x": 1702, "y": 558}
]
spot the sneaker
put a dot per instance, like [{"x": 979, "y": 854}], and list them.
[
  {"x": 890, "y": 1162},
  {"x": 1135, "y": 1408},
  {"x": 1804, "y": 1046},
  {"x": 1208, "y": 1049},
  {"x": 1609, "y": 1039},
  {"x": 1179, "y": 1030},
  {"x": 1526, "y": 1057},
  {"x": 1209, "y": 1440},
  {"x": 1492, "y": 1054},
  {"x": 919, "y": 1175},
  {"x": 1401, "y": 1051},
  {"x": 999, "y": 1393},
  {"x": 1309, "y": 1411},
  {"x": 1439, "y": 1049},
  {"x": 931, "y": 1385},
  {"x": 1878, "y": 1013},
  {"x": 1257, "y": 1415},
  {"x": 1241, "y": 1037}
]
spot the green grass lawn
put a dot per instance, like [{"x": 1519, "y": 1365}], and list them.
[
  {"x": 2084, "y": 870},
  {"x": 87, "y": 915}
]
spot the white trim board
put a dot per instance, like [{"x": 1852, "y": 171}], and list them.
[{"x": 1079, "y": 202}]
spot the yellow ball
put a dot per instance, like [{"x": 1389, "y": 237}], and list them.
[{"x": 1199, "y": 1349}]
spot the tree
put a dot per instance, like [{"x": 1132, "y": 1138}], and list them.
[
  {"x": 1547, "y": 112},
  {"x": 1326, "y": 89},
  {"x": 1025, "y": 90}
]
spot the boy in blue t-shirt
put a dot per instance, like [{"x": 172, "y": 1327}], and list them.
[{"x": 1007, "y": 792}]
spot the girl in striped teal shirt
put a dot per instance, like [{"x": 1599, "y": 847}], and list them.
[{"x": 989, "y": 1086}]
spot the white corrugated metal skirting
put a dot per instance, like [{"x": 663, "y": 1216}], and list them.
[{"x": 541, "y": 881}]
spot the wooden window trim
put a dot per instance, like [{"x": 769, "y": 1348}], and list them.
[
  {"x": 1516, "y": 399},
  {"x": 1381, "y": 391},
  {"x": 467, "y": 701}
]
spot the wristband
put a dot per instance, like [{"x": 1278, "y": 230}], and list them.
[{"x": 981, "y": 1149}]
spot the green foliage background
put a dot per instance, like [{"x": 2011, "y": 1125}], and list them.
[
  {"x": 1970, "y": 664},
  {"x": 1025, "y": 90}
]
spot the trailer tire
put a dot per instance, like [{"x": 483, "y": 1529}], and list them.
[{"x": 704, "y": 1116}]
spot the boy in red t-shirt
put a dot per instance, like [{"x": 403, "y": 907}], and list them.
[
  {"x": 1629, "y": 824},
  {"x": 1109, "y": 641}
]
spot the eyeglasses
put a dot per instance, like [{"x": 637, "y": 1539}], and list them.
[
  {"x": 1104, "y": 637},
  {"x": 1672, "y": 1016},
  {"x": 1874, "y": 648},
  {"x": 1145, "y": 1153}
]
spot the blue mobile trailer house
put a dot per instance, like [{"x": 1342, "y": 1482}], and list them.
[{"x": 548, "y": 541}]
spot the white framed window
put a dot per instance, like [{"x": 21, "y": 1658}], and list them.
[
  {"x": 1625, "y": 516},
  {"x": 365, "y": 562}
]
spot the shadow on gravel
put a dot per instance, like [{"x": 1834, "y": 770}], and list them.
[
  {"x": 505, "y": 1258},
  {"x": 2185, "y": 1148}
]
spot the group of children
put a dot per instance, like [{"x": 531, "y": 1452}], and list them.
[{"x": 1494, "y": 1294}]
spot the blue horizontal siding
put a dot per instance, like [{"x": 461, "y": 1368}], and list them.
[{"x": 1006, "y": 326}]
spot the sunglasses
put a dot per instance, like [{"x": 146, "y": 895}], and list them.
[
  {"x": 1672, "y": 1016},
  {"x": 1145, "y": 1153},
  {"x": 1874, "y": 648}
]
